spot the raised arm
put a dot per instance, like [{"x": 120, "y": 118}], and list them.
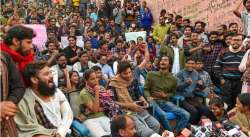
[
  {"x": 237, "y": 10},
  {"x": 243, "y": 63},
  {"x": 147, "y": 57}
]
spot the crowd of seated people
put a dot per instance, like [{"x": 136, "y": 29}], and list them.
[{"x": 157, "y": 85}]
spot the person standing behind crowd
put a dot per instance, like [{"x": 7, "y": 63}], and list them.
[
  {"x": 175, "y": 52},
  {"x": 11, "y": 94},
  {"x": 16, "y": 46},
  {"x": 187, "y": 33},
  {"x": 179, "y": 23},
  {"x": 60, "y": 71},
  {"x": 200, "y": 29},
  {"x": 146, "y": 19},
  {"x": 226, "y": 70},
  {"x": 196, "y": 49},
  {"x": 118, "y": 13},
  {"x": 233, "y": 28},
  {"x": 190, "y": 82},
  {"x": 222, "y": 30},
  {"x": 210, "y": 56},
  {"x": 51, "y": 52},
  {"x": 160, "y": 30},
  {"x": 244, "y": 15}
]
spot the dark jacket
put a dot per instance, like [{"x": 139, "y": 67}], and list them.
[
  {"x": 15, "y": 83},
  {"x": 169, "y": 51}
]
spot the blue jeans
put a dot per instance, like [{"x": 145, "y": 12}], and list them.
[
  {"x": 145, "y": 124},
  {"x": 160, "y": 111},
  {"x": 160, "y": 115}
]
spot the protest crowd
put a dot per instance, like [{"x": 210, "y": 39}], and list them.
[{"x": 111, "y": 69}]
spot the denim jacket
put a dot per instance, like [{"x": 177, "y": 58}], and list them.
[{"x": 184, "y": 88}]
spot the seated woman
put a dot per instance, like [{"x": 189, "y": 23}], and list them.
[
  {"x": 72, "y": 91},
  {"x": 96, "y": 102},
  {"x": 216, "y": 109},
  {"x": 75, "y": 82},
  {"x": 240, "y": 115}
]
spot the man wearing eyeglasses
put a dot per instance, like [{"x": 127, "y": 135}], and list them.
[{"x": 226, "y": 70}]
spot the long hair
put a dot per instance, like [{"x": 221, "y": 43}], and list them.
[
  {"x": 170, "y": 62},
  {"x": 19, "y": 32}
]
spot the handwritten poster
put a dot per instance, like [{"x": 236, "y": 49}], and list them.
[
  {"x": 213, "y": 12},
  {"x": 41, "y": 35},
  {"x": 134, "y": 35}
]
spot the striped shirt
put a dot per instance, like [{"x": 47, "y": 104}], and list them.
[{"x": 227, "y": 63}]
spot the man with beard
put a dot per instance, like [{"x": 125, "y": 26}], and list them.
[
  {"x": 51, "y": 25},
  {"x": 40, "y": 15},
  {"x": 103, "y": 11},
  {"x": 72, "y": 50},
  {"x": 233, "y": 28},
  {"x": 228, "y": 40},
  {"x": 9, "y": 10},
  {"x": 60, "y": 70},
  {"x": 179, "y": 23},
  {"x": 222, "y": 30},
  {"x": 118, "y": 13},
  {"x": 210, "y": 56},
  {"x": 187, "y": 34},
  {"x": 200, "y": 29},
  {"x": 24, "y": 10},
  {"x": 169, "y": 18},
  {"x": 51, "y": 52},
  {"x": 161, "y": 30},
  {"x": 16, "y": 46},
  {"x": 158, "y": 88},
  {"x": 175, "y": 52},
  {"x": 196, "y": 49},
  {"x": 44, "y": 110},
  {"x": 244, "y": 15},
  {"x": 12, "y": 91},
  {"x": 226, "y": 70}
]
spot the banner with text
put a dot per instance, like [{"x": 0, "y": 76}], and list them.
[{"x": 213, "y": 12}]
